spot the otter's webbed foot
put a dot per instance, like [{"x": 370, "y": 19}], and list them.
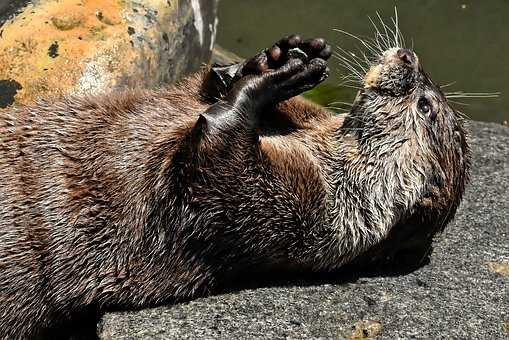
[{"x": 222, "y": 78}]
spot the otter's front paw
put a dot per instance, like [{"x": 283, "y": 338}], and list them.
[
  {"x": 290, "y": 47},
  {"x": 293, "y": 77}
]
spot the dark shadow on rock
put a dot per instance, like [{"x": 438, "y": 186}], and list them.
[
  {"x": 83, "y": 326},
  {"x": 9, "y": 8},
  {"x": 8, "y": 90},
  {"x": 384, "y": 261}
]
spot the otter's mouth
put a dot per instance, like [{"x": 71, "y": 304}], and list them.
[{"x": 395, "y": 74}]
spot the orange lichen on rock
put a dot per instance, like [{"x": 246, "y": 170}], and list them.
[
  {"x": 366, "y": 329},
  {"x": 45, "y": 47},
  {"x": 91, "y": 46},
  {"x": 501, "y": 268}
]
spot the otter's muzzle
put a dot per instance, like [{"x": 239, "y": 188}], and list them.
[
  {"x": 391, "y": 60},
  {"x": 402, "y": 55}
]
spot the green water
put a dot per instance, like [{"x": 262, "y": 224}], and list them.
[{"x": 465, "y": 42}]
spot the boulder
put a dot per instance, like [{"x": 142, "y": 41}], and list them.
[
  {"x": 461, "y": 294},
  {"x": 52, "y": 47}
]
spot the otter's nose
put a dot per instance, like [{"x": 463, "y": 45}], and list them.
[{"x": 407, "y": 56}]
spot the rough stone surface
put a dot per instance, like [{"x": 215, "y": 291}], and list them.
[
  {"x": 222, "y": 56},
  {"x": 87, "y": 46},
  {"x": 462, "y": 294}
]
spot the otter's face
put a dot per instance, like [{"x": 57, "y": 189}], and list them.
[
  {"x": 403, "y": 115},
  {"x": 396, "y": 89},
  {"x": 400, "y": 100}
]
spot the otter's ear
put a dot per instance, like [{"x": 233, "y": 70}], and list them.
[{"x": 219, "y": 80}]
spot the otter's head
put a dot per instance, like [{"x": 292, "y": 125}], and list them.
[{"x": 403, "y": 124}]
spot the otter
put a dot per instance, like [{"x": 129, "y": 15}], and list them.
[{"x": 137, "y": 198}]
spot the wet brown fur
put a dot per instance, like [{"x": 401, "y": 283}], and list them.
[
  {"x": 83, "y": 188},
  {"x": 102, "y": 206}
]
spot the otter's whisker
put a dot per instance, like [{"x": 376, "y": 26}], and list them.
[
  {"x": 350, "y": 86},
  {"x": 383, "y": 36},
  {"x": 353, "y": 58},
  {"x": 456, "y": 102},
  {"x": 396, "y": 29},
  {"x": 386, "y": 30},
  {"x": 362, "y": 41},
  {"x": 350, "y": 77},
  {"x": 399, "y": 34},
  {"x": 378, "y": 36},
  {"x": 337, "y": 109},
  {"x": 351, "y": 80},
  {"x": 365, "y": 57},
  {"x": 392, "y": 34},
  {"x": 347, "y": 64},
  {"x": 343, "y": 103},
  {"x": 448, "y": 84},
  {"x": 344, "y": 55},
  {"x": 363, "y": 68},
  {"x": 460, "y": 94}
]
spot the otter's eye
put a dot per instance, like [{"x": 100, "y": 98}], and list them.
[{"x": 424, "y": 105}]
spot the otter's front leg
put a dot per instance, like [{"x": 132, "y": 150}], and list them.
[
  {"x": 230, "y": 126},
  {"x": 240, "y": 110},
  {"x": 220, "y": 78}
]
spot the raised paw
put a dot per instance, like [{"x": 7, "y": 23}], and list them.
[
  {"x": 293, "y": 77},
  {"x": 296, "y": 76},
  {"x": 222, "y": 79},
  {"x": 287, "y": 69},
  {"x": 290, "y": 47}
]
